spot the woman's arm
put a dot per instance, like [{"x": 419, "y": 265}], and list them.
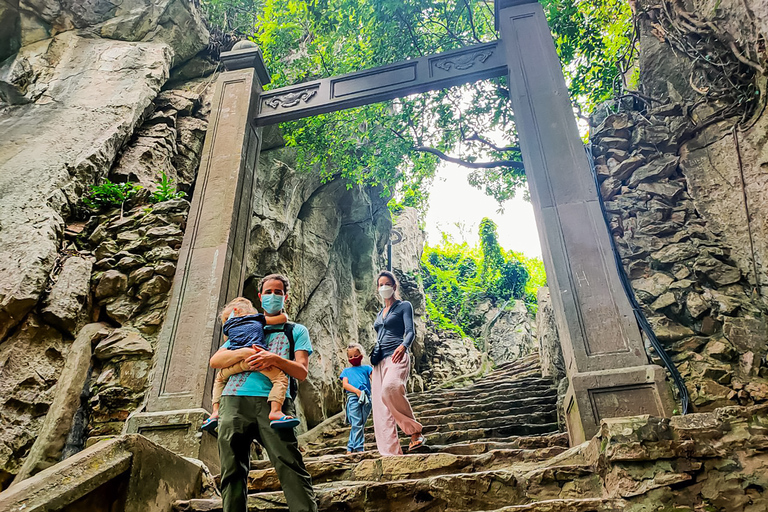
[
  {"x": 349, "y": 387},
  {"x": 224, "y": 358},
  {"x": 297, "y": 369},
  {"x": 408, "y": 334},
  {"x": 276, "y": 320}
]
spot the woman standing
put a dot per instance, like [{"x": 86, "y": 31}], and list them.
[{"x": 391, "y": 366}]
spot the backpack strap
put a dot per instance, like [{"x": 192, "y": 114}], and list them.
[{"x": 293, "y": 384}]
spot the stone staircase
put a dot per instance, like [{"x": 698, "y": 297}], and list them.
[{"x": 493, "y": 445}]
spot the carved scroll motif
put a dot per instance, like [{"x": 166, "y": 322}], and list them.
[
  {"x": 291, "y": 99},
  {"x": 465, "y": 61}
]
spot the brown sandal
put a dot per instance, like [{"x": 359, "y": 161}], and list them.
[{"x": 418, "y": 443}]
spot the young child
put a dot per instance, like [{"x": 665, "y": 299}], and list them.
[
  {"x": 356, "y": 380},
  {"x": 244, "y": 327}
]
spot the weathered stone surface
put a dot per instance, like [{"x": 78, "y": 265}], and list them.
[
  {"x": 111, "y": 283},
  {"x": 550, "y": 351},
  {"x": 58, "y": 136},
  {"x": 123, "y": 342},
  {"x": 747, "y": 334},
  {"x": 67, "y": 304},
  {"x": 448, "y": 356},
  {"x": 623, "y": 170},
  {"x": 509, "y": 333},
  {"x": 46, "y": 450},
  {"x": 716, "y": 271},
  {"x": 157, "y": 479},
  {"x": 328, "y": 239},
  {"x": 655, "y": 170},
  {"x": 654, "y": 285},
  {"x": 30, "y": 363}
]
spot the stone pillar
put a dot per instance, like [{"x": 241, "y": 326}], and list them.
[
  {"x": 605, "y": 359},
  {"x": 211, "y": 266}
]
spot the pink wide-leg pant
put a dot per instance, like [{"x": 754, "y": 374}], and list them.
[{"x": 390, "y": 406}]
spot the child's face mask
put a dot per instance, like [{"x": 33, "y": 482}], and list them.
[{"x": 356, "y": 360}]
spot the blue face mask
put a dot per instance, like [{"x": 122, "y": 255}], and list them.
[{"x": 272, "y": 304}]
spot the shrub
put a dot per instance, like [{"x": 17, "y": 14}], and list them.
[
  {"x": 166, "y": 190},
  {"x": 110, "y": 194}
]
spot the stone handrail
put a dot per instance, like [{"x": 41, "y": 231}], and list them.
[{"x": 155, "y": 478}]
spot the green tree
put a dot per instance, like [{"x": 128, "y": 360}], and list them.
[
  {"x": 458, "y": 277},
  {"x": 398, "y": 144}
]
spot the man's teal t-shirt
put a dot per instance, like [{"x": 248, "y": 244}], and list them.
[{"x": 256, "y": 383}]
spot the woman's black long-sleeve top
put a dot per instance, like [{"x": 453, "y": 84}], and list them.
[{"x": 396, "y": 329}]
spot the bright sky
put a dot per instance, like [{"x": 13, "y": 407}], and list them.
[{"x": 456, "y": 208}]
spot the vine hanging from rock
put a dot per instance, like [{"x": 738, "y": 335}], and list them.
[{"x": 723, "y": 70}]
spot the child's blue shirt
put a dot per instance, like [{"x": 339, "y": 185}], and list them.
[{"x": 358, "y": 376}]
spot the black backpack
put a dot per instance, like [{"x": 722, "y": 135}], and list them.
[{"x": 287, "y": 328}]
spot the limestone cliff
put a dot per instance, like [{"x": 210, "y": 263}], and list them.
[
  {"x": 328, "y": 239},
  {"x": 76, "y": 82},
  {"x": 683, "y": 175}
]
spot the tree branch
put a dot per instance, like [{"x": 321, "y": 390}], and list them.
[
  {"x": 476, "y": 137},
  {"x": 472, "y": 165}
]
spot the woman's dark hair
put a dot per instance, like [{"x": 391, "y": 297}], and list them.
[
  {"x": 389, "y": 275},
  {"x": 274, "y": 277}
]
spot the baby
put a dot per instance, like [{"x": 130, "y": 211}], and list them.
[
  {"x": 356, "y": 381},
  {"x": 244, "y": 328}
]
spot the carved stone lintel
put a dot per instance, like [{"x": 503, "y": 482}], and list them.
[
  {"x": 290, "y": 99},
  {"x": 462, "y": 62}
]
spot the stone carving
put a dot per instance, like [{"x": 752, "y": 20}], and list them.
[
  {"x": 464, "y": 61},
  {"x": 291, "y": 99}
]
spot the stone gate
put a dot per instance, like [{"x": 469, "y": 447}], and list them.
[{"x": 607, "y": 366}]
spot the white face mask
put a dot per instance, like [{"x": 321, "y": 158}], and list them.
[{"x": 386, "y": 291}]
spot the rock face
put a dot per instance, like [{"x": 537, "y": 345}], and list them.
[
  {"x": 57, "y": 136},
  {"x": 328, "y": 239},
  {"x": 76, "y": 81},
  {"x": 687, "y": 215},
  {"x": 509, "y": 331},
  {"x": 31, "y": 360},
  {"x": 447, "y": 356}
]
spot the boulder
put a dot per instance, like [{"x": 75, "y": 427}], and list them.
[
  {"x": 747, "y": 334},
  {"x": 655, "y": 170},
  {"x": 449, "y": 356},
  {"x": 66, "y": 306},
  {"x": 111, "y": 284},
  {"x": 123, "y": 342},
  {"x": 509, "y": 333},
  {"x": 31, "y": 360},
  {"x": 716, "y": 271}
]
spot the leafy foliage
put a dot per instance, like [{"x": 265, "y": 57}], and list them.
[
  {"x": 595, "y": 42},
  {"x": 110, "y": 194},
  {"x": 458, "y": 277},
  {"x": 383, "y": 144},
  {"x": 166, "y": 190}
]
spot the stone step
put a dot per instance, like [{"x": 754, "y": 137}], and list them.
[
  {"x": 499, "y": 387},
  {"x": 471, "y": 448},
  {"x": 572, "y": 505},
  {"x": 491, "y": 408},
  {"x": 447, "y": 437},
  {"x": 481, "y": 401},
  {"x": 462, "y": 492},
  {"x": 368, "y": 466},
  {"x": 530, "y": 410}
]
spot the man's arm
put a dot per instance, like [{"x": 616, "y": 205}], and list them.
[
  {"x": 264, "y": 359},
  {"x": 224, "y": 358}
]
